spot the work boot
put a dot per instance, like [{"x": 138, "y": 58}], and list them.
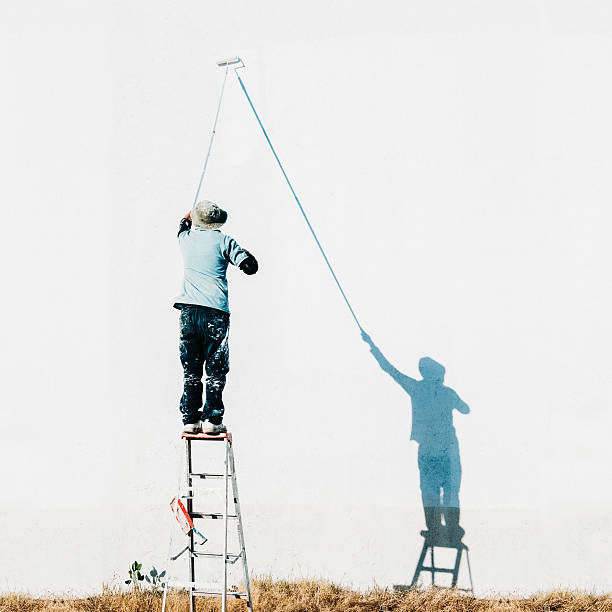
[
  {"x": 451, "y": 518},
  {"x": 432, "y": 520},
  {"x": 213, "y": 429},
  {"x": 193, "y": 428}
]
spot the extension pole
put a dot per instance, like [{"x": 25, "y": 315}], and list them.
[
  {"x": 314, "y": 235},
  {"x": 210, "y": 142}
]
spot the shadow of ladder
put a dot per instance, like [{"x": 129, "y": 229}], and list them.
[{"x": 429, "y": 544}]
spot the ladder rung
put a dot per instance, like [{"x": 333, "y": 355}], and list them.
[
  {"x": 210, "y": 515},
  {"x": 445, "y": 570},
  {"x": 199, "y": 475},
  {"x": 230, "y": 556},
  {"x": 219, "y": 594}
]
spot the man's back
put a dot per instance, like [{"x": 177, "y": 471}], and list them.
[{"x": 206, "y": 255}]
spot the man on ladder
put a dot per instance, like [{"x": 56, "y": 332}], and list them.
[{"x": 204, "y": 318}]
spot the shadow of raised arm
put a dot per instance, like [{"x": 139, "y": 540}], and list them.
[{"x": 407, "y": 383}]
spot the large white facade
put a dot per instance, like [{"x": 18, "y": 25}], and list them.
[{"x": 454, "y": 160}]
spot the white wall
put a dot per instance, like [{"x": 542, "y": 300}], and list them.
[{"x": 454, "y": 159}]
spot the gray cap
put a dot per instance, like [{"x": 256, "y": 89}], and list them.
[{"x": 208, "y": 215}]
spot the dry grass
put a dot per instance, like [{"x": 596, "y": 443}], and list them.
[{"x": 316, "y": 596}]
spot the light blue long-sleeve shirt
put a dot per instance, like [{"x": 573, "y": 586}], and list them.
[{"x": 206, "y": 255}]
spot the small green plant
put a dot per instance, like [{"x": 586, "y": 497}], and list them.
[
  {"x": 156, "y": 579},
  {"x": 134, "y": 575}
]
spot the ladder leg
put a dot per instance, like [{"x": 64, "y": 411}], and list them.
[
  {"x": 467, "y": 557},
  {"x": 165, "y": 597},
  {"x": 224, "y": 592},
  {"x": 433, "y": 567},
  {"x": 191, "y": 539},
  {"x": 245, "y": 567},
  {"x": 419, "y": 567},
  {"x": 167, "y": 567},
  {"x": 456, "y": 568}
]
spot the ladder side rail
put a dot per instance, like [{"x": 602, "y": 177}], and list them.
[
  {"x": 456, "y": 568},
  {"x": 238, "y": 512},
  {"x": 169, "y": 557},
  {"x": 225, "y": 513},
  {"x": 191, "y": 538},
  {"x": 165, "y": 597},
  {"x": 467, "y": 557},
  {"x": 433, "y": 566},
  {"x": 419, "y": 567}
]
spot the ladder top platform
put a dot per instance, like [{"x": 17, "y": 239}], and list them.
[
  {"x": 202, "y": 436},
  {"x": 443, "y": 541}
]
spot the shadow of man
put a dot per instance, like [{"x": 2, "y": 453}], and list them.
[{"x": 433, "y": 430}]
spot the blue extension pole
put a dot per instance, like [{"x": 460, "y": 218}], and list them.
[{"x": 314, "y": 235}]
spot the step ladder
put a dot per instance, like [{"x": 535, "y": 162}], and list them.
[
  {"x": 442, "y": 541},
  {"x": 231, "y": 513}
]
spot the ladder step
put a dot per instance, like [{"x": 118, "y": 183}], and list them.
[
  {"x": 203, "y": 436},
  {"x": 230, "y": 556},
  {"x": 219, "y": 594},
  {"x": 204, "y": 475},
  {"x": 445, "y": 570},
  {"x": 210, "y": 515}
]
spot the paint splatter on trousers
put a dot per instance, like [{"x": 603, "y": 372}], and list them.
[{"x": 203, "y": 345}]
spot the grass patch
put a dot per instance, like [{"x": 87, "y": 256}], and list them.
[{"x": 315, "y": 596}]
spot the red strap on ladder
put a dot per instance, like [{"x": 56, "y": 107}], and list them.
[{"x": 184, "y": 520}]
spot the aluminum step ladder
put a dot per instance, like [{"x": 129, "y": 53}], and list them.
[
  {"x": 231, "y": 513},
  {"x": 442, "y": 541}
]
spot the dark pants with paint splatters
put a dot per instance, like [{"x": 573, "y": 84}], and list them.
[{"x": 203, "y": 344}]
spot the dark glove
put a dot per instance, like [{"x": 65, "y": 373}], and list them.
[
  {"x": 184, "y": 226},
  {"x": 249, "y": 265}
]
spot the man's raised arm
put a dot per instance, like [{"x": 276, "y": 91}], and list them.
[{"x": 404, "y": 381}]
